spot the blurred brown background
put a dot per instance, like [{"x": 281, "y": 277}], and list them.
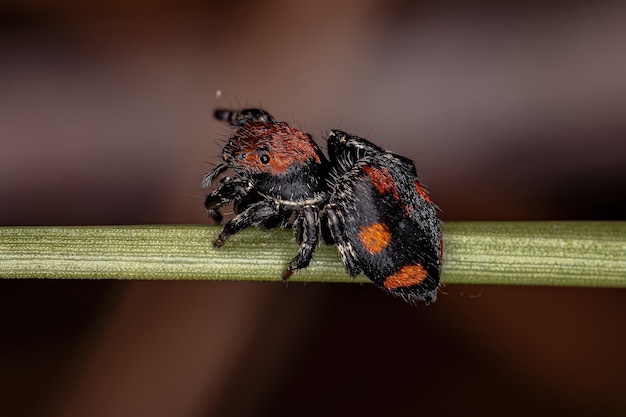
[{"x": 512, "y": 112}]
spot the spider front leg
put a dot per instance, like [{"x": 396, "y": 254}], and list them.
[
  {"x": 252, "y": 216},
  {"x": 307, "y": 231},
  {"x": 228, "y": 190},
  {"x": 338, "y": 233}
]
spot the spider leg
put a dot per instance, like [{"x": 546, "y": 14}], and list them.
[
  {"x": 307, "y": 234},
  {"x": 252, "y": 216},
  {"x": 210, "y": 176},
  {"x": 227, "y": 191},
  {"x": 338, "y": 234},
  {"x": 240, "y": 118}
]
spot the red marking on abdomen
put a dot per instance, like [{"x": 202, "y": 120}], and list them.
[
  {"x": 407, "y": 276},
  {"x": 375, "y": 237},
  {"x": 382, "y": 180},
  {"x": 422, "y": 192}
]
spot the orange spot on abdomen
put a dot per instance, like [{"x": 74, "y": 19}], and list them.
[
  {"x": 374, "y": 237},
  {"x": 407, "y": 276}
]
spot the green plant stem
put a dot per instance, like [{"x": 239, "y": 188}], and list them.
[{"x": 525, "y": 253}]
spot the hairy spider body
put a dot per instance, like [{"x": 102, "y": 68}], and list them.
[{"x": 366, "y": 200}]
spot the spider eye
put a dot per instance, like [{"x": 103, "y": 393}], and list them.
[{"x": 263, "y": 156}]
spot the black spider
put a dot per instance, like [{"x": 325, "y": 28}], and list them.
[{"x": 366, "y": 200}]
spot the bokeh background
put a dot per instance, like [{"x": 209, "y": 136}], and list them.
[{"x": 511, "y": 112}]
